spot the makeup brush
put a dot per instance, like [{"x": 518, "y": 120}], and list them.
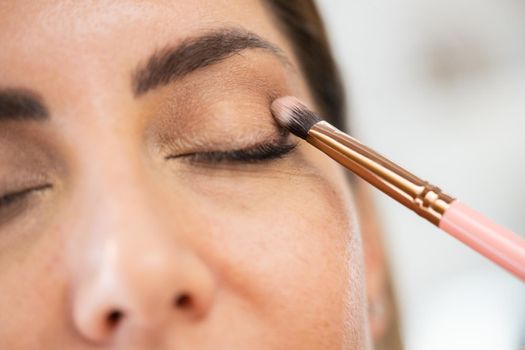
[{"x": 498, "y": 244}]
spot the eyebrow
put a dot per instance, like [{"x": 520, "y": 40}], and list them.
[
  {"x": 172, "y": 63},
  {"x": 19, "y": 104}
]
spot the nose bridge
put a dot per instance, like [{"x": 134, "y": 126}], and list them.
[
  {"x": 124, "y": 201},
  {"x": 130, "y": 262},
  {"x": 122, "y": 191},
  {"x": 120, "y": 205},
  {"x": 117, "y": 205}
]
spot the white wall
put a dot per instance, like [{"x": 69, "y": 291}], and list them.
[{"x": 439, "y": 86}]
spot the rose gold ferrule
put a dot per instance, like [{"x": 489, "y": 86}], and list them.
[{"x": 423, "y": 198}]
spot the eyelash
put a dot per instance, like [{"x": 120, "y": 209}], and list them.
[
  {"x": 258, "y": 153},
  {"x": 9, "y": 199}
]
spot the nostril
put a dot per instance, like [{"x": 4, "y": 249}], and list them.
[
  {"x": 114, "y": 318},
  {"x": 183, "y": 301}
]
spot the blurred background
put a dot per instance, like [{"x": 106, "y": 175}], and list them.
[{"x": 439, "y": 86}]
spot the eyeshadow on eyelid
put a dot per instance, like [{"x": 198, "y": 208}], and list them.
[
  {"x": 211, "y": 121},
  {"x": 215, "y": 137},
  {"x": 258, "y": 149},
  {"x": 203, "y": 98}
]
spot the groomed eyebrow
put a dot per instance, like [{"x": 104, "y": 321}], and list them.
[
  {"x": 172, "y": 63},
  {"x": 19, "y": 104}
]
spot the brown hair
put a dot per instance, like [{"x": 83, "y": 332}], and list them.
[{"x": 300, "y": 20}]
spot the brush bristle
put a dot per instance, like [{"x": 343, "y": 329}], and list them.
[{"x": 294, "y": 115}]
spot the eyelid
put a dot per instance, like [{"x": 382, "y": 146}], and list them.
[
  {"x": 14, "y": 204},
  {"x": 258, "y": 153}
]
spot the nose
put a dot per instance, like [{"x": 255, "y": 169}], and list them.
[{"x": 133, "y": 275}]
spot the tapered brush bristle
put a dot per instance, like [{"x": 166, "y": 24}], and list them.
[{"x": 294, "y": 115}]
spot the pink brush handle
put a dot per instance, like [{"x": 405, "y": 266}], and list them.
[{"x": 500, "y": 245}]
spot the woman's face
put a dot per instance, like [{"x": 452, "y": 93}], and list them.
[{"x": 149, "y": 201}]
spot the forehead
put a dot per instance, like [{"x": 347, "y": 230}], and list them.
[{"x": 88, "y": 40}]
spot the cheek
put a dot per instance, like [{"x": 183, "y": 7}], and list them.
[
  {"x": 290, "y": 247},
  {"x": 35, "y": 297}
]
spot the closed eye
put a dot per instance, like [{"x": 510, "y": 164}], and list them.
[
  {"x": 13, "y": 197},
  {"x": 258, "y": 153},
  {"x": 15, "y": 202}
]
